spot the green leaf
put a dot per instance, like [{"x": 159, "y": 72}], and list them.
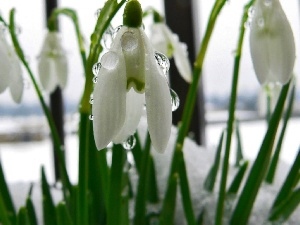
[
  {"x": 6, "y": 197},
  {"x": 210, "y": 180},
  {"x": 273, "y": 166},
  {"x": 201, "y": 217},
  {"x": 49, "y": 214},
  {"x": 22, "y": 218},
  {"x": 235, "y": 185},
  {"x": 63, "y": 215},
  {"x": 284, "y": 210},
  {"x": 258, "y": 171},
  {"x": 239, "y": 149},
  {"x": 31, "y": 212},
  {"x": 290, "y": 182},
  {"x": 4, "y": 218}
]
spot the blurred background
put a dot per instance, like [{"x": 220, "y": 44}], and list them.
[{"x": 24, "y": 135}]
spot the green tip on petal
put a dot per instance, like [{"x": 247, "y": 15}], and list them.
[{"x": 133, "y": 14}]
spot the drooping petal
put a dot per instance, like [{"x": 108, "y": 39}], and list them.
[
  {"x": 4, "y": 70},
  {"x": 271, "y": 43},
  {"x": 160, "y": 40},
  {"x": 61, "y": 64},
  {"x": 47, "y": 72},
  {"x": 109, "y": 108},
  {"x": 158, "y": 101},
  {"x": 182, "y": 63},
  {"x": 134, "y": 109},
  {"x": 16, "y": 84}
]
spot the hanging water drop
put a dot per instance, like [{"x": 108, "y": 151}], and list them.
[
  {"x": 91, "y": 99},
  {"x": 268, "y": 3},
  {"x": 97, "y": 13},
  {"x": 96, "y": 68},
  {"x": 174, "y": 100},
  {"x": 110, "y": 145},
  {"x": 162, "y": 61},
  {"x": 130, "y": 143},
  {"x": 26, "y": 84},
  {"x": 91, "y": 117},
  {"x": 107, "y": 38},
  {"x": 115, "y": 31},
  {"x": 95, "y": 79}
]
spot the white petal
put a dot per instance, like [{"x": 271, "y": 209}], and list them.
[
  {"x": 4, "y": 70},
  {"x": 182, "y": 62},
  {"x": 16, "y": 85},
  {"x": 158, "y": 102},
  {"x": 47, "y": 72},
  {"x": 109, "y": 95},
  {"x": 134, "y": 109},
  {"x": 61, "y": 70},
  {"x": 160, "y": 40},
  {"x": 272, "y": 44}
]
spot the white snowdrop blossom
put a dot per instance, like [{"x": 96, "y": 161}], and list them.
[
  {"x": 52, "y": 65},
  {"x": 271, "y": 43},
  {"x": 165, "y": 41},
  {"x": 10, "y": 70},
  {"x": 128, "y": 79}
]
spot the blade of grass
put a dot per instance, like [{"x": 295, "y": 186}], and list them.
[
  {"x": 6, "y": 197},
  {"x": 115, "y": 188},
  {"x": 22, "y": 218},
  {"x": 274, "y": 162},
  {"x": 49, "y": 214},
  {"x": 63, "y": 215},
  {"x": 201, "y": 217},
  {"x": 246, "y": 200},
  {"x": 210, "y": 180},
  {"x": 31, "y": 211},
  {"x": 237, "y": 180},
  {"x": 290, "y": 182},
  {"x": 284, "y": 210},
  {"x": 4, "y": 218}
]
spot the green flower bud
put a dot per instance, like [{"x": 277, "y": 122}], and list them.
[{"x": 133, "y": 14}]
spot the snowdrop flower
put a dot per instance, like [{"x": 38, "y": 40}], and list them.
[
  {"x": 168, "y": 43},
  {"x": 10, "y": 70},
  {"x": 271, "y": 43},
  {"x": 52, "y": 65},
  {"x": 129, "y": 78}
]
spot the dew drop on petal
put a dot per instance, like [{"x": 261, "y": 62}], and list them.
[
  {"x": 107, "y": 38},
  {"x": 26, "y": 84},
  {"x": 95, "y": 79},
  {"x": 91, "y": 99},
  {"x": 115, "y": 31},
  {"x": 174, "y": 100},
  {"x": 268, "y": 3},
  {"x": 129, "y": 42},
  {"x": 162, "y": 61},
  {"x": 261, "y": 23},
  {"x": 130, "y": 143},
  {"x": 96, "y": 68},
  {"x": 91, "y": 117},
  {"x": 109, "y": 60},
  {"x": 251, "y": 12}
]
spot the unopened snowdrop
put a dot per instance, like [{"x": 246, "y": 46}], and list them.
[
  {"x": 52, "y": 65},
  {"x": 165, "y": 41},
  {"x": 10, "y": 70},
  {"x": 271, "y": 43},
  {"x": 129, "y": 78}
]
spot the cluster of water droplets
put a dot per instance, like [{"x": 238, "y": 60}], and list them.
[
  {"x": 96, "y": 68},
  {"x": 260, "y": 22}
]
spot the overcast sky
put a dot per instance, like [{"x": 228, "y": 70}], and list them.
[{"x": 217, "y": 67}]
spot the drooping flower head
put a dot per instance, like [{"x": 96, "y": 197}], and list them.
[
  {"x": 271, "y": 43},
  {"x": 165, "y": 41},
  {"x": 10, "y": 70},
  {"x": 130, "y": 77},
  {"x": 52, "y": 65}
]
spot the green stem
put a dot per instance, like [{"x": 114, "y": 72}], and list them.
[
  {"x": 191, "y": 99},
  {"x": 231, "y": 116},
  {"x": 57, "y": 142}
]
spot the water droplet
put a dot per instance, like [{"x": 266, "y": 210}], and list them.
[
  {"x": 261, "y": 22},
  {"x": 26, "y": 84},
  {"x": 107, "y": 38},
  {"x": 247, "y": 24},
  {"x": 115, "y": 31},
  {"x": 95, "y": 79},
  {"x": 91, "y": 117},
  {"x": 129, "y": 143},
  {"x": 251, "y": 12},
  {"x": 268, "y": 3},
  {"x": 97, "y": 13},
  {"x": 174, "y": 100},
  {"x": 162, "y": 61},
  {"x": 91, "y": 99},
  {"x": 96, "y": 68},
  {"x": 110, "y": 145},
  {"x": 18, "y": 29},
  {"x": 128, "y": 41}
]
